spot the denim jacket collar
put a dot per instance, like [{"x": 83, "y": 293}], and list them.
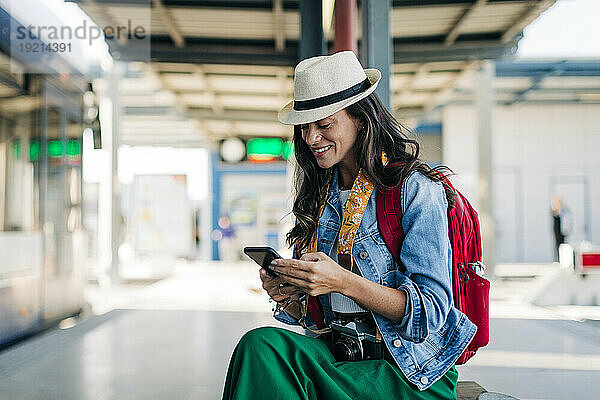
[{"x": 333, "y": 196}]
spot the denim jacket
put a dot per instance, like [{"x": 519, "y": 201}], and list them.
[{"x": 433, "y": 333}]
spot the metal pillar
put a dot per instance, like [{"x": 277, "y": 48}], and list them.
[
  {"x": 376, "y": 43},
  {"x": 345, "y": 26},
  {"x": 110, "y": 195},
  {"x": 312, "y": 38},
  {"x": 216, "y": 201},
  {"x": 485, "y": 104}
]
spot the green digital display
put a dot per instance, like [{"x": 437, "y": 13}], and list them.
[
  {"x": 34, "y": 150},
  {"x": 262, "y": 147},
  {"x": 16, "y": 148},
  {"x": 56, "y": 148},
  {"x": 288, "y": 150},
  {"x": 73, "y": 148}
]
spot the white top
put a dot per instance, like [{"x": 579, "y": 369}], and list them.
[{"x": 339, "y": 302}]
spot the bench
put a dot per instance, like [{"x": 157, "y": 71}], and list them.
[{"x": 469, "y": 390}]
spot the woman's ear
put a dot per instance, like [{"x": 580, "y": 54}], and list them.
[{"x": 360, "y": 125}]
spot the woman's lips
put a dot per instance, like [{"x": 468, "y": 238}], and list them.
[{"x": 318, "y": 152}]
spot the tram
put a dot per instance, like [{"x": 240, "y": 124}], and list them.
[{"x": 42, "y": 240}]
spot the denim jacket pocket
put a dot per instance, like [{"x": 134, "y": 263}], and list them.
[
  {"x": 329, "y": 224},
  {"x": 374, "y": 244}
]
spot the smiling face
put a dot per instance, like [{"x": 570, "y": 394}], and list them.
[{"x": 332, "y": 139}]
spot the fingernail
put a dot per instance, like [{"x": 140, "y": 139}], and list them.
[{"x": 273, "y": 262}]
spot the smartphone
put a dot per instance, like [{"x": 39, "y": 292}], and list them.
[{"x": 263, "y": 255}]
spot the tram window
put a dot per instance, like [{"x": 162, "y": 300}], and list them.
[
  {"x": 73, "y": 162},
  {"x": 19, "y": 200},
  {"x": 2, "y": 174},
  {"x": 54, "y": 195}
]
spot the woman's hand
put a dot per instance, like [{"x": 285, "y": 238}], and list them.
[
  {"x": 277, "y": 289},
  {"x": 313, "y": 273}
]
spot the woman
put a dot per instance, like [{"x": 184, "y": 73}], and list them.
[{"x": 401, "y": 325}]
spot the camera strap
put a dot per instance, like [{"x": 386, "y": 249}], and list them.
[
  {"x": 352, "y": 217},
  {"x": 361, "y": 191}
]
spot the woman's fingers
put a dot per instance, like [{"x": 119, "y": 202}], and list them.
[
  {"x": 296, "y": 268},
  {"x": 271, "y": 283},
  {"x": 265, "y": 276},
  {"x": 276, "y": 287},
  {"x": 284, "y": 292},
  {"x": 314, "y": 273},
  {"x": 299, "y": 265},
  {"x": 299, "y": 283},
  {"x": 313, "y": 256}
]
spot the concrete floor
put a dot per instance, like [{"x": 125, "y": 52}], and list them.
[
  {"x": 173, "y": 339},
  {"x": 128, "y": 354}
]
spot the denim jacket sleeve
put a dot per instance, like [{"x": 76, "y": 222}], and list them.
[
  {"x": 286, "y": 318},
  {"x": 426, "y": 254}
]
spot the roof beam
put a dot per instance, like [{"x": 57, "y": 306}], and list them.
[
  {"x": 207, "y": 51},
  {"x": 557, "y": 70},
  {"x": 256, "y": 52},
  {"x": 180, "y": 106},
  {"x": 282, "y": 78},
  {"x": 169, "y": 21},
  {"x": 462, "y": 20},
  {"x": 445, "y": 94},
  {"x": 232, "y": 115},
  {"x": 431, "y": 52},
  {"x": 421, "y": 71},
  {"x": 513, "y": 68},
  {"x": 279, "y": 25},
  {"x": 532, "y": 13},
  {"x": 215, "y": 102},
  {"x": 186, "y": 141}
]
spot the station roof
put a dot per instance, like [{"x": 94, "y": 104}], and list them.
[
  {"x": 266, "y": 32},
  {"x": 221, "y": 68},
  {"x": 540, "y": 82}
]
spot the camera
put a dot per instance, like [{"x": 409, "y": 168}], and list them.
[{"x": 356, "y": 339}]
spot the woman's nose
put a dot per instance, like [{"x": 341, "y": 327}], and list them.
[{"x": 312, "y": 135}]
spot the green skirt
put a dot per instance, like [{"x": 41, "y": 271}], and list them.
[{"x": 273, "y": 363}]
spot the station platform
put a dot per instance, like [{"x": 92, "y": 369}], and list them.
[{"x": 173, "y": 339}]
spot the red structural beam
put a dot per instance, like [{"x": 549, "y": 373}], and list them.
[{"x": 345, "y": 26}]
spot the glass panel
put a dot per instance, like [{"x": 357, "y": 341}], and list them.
[
  {"x": 54, "y": 196},
  {"x": 73, "y": 166},
  {"x": 19, "y": 196}
]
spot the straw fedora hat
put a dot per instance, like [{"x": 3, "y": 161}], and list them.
[{"x": 324, "y": 85}]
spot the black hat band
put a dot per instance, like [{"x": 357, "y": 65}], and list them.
[{"x": 303, "y": 105}]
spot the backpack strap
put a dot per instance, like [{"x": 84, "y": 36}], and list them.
[
  {"x": 389, "y": 218},
  {"x": 314, "y": 307}
]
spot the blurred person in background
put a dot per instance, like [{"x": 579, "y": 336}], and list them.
[
  {"x": 407, "y": 330},
  {"x": 228, "y": 247},
  {"x": 562, "y": 222}
]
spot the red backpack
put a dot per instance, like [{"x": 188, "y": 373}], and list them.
[{"x": 470, "y": 291}]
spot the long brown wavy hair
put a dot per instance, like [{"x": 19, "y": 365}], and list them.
[{"x": 380, "y": 132}]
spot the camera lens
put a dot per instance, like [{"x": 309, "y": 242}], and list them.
[{"x": 347, "y": 349}]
